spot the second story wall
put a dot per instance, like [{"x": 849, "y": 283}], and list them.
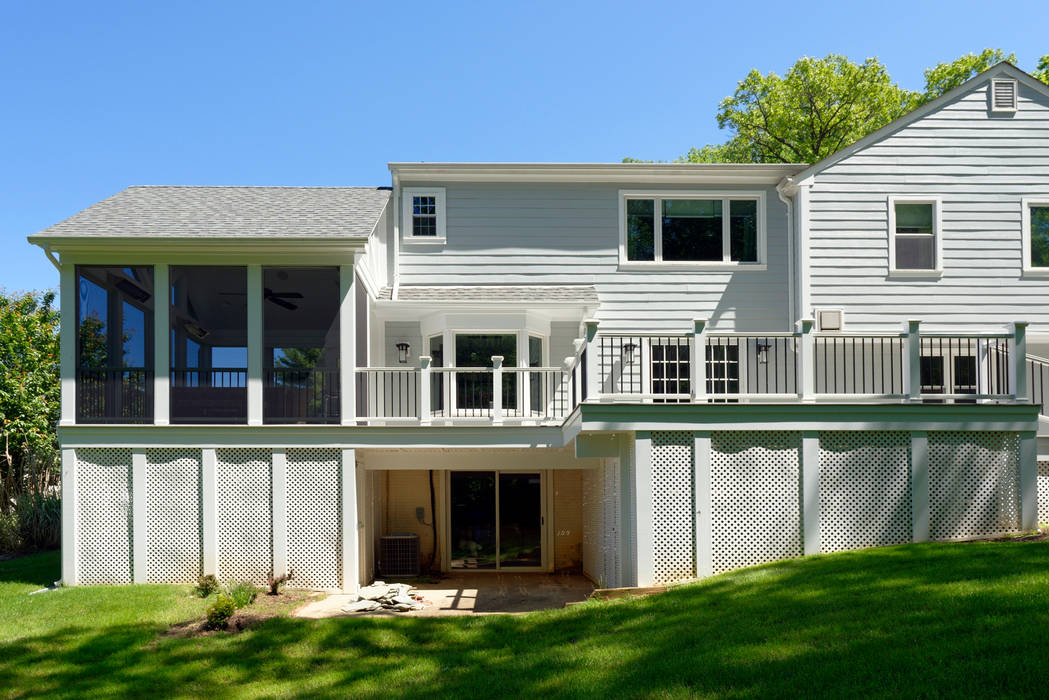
[{"x": 512, "y": 233}]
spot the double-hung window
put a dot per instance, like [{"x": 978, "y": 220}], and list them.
[
  {"x": 422, "y": 216},
  {"x": 1035, "y": 218},
  {"x": 692, "y": 229},
  {"x": 914, "y": 236}
]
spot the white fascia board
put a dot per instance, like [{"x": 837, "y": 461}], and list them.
[
  {"x": 399, "y": 310},
  {"x": 132, "y": 250},
  {"x": 625, "y": 173}
]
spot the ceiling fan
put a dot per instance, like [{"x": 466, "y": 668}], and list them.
[{"x": 277, "y": 298}]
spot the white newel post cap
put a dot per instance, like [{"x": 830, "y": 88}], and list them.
[
  {"x": 424, "y": 361},
  {"x": 699, "y": 325},
  {"x": 497, "y": 361}
]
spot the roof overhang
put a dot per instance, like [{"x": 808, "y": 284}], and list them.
[
  {"x": 624, "y": 173},
  {"x": 175, "y": 250}
]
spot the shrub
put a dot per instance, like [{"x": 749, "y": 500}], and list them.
[
  {"x": 206, "y": 585},
  {"x": 10, "y": 541},
  {"x": 242, "y": 593},
  {"x": 275, "y": 582},
  {"x": 220, "y": 612},
  {"x": 39, "y": 520}
]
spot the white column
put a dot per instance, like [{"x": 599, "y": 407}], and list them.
[
  {"x": 69, "y": 518},
  {"x": 643, "y": 520},
  {"x": 497, "y": 389},
  {"x": 912, "y": 368},
  {"x": 139, "y": 536},
  {"x": 810, "y": 491},
  {"x": 424, "y": 390},
  {"x": 279, "y": 489},
  {"x": 209, "y": 510},
  {"x": 807, "y": 360},
  {"x": 67, "y": 340},
  {"x": 349, "y": 518},
  {"x": 347, "y": 345},
  {"x": 698, "y": 363},
  {"x": 704, "y": 532},
  {"x": 521, "y": 376},
  {"x": 1019, "y": 369},
  {"x": 1028, "y": 480},
  {"x": 593, "y": 359},
  {"x": 920, "y": 486},
  {"x": 254, "y": 345},
  {"x": 161, "y": 344}
]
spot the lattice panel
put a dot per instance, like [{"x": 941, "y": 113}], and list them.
[
  {"x": 672, "y": 506},
  {"x": 593, "y": 526},
  {"x": 244, "y": 524},
  {"x": 974, "y": 488},
  {"x": 865, "y": 493},
  {"x": 755, "y": 509},
  {"x": 103, "y": 515},
  {"x": 1043, "y": 492},
  {"x": 613, "y": 565},
  {"x": 314, "y": 554},
  {"x": 173, "y": 526}
]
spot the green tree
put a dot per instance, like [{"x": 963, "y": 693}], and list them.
[
  {"x": 29, "y": 387},
  {"x": 944, "y": 77},
  {"x": 1042, "y": 71}
]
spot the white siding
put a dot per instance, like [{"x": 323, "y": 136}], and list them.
[
  {"x": 981, "y": 165},
  {"x": 527, "y": 233}
]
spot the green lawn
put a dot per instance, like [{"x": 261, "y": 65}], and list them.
[{"x": 918, "y": 620}]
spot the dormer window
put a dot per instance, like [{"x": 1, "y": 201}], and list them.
[
  {"x": 423, "y": 215},
  {"x": 1003, "y": 96}
]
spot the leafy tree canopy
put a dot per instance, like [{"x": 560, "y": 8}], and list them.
[{"x": 944, "y": 77}]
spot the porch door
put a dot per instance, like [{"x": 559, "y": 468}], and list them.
[{"x": 496, "y": 520}]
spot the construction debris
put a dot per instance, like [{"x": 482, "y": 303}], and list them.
[{"x": 398, "y": 597}]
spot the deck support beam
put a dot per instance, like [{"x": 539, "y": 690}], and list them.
[
  {"x": 810, "y": 491},
  {"x": 643, "y": 523}
]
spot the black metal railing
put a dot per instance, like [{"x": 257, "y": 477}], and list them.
[
  {"x": 216, "y": 395},
  {"x": 114, "y": 395},
  {"x": 752, "y": 364},
  {"x": 1038, "y": 383},
  {"x": 858, "y": 365},
  {"x": 292, "y": 395}
]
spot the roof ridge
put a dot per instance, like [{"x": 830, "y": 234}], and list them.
[{"x": 263, "y": 187}]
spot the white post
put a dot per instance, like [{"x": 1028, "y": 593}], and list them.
[
  {"x": 523, "y": 376},
  {"x": 497, "y": 389},
  {"x": 1019, "y": 363},
  {"x": 348, "y": 517},
  {"x": 810, "y": 491},
  {"x": 347, "y": 345},
  {"x": 593, "y": 359},
  {"x": 279, "y": 489},
  {"x": 643, "y": 518},
  {"x": 209, "y": 510},
  {"x": 69, "y": 519},
  {"x": 139, "y": 534},
  {"x": 161, "y": 344},
  {"x": 920, "y": 486},
  {"x": 912, "y": 368},
  {"x": 704, "y": 532},
  {"x": 1028, "y": 480},
  {"x": 67, "y": 340},
  {"x": 254, "y": 344},
  {"x": 807, "y": 360},
  {"x": 698, "y": 361},
  {"x": 424, "y": 390}
]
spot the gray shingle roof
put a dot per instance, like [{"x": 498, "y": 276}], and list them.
[
  {"x": 229, "y": 212},
  {"x": 482, "y": 293}
]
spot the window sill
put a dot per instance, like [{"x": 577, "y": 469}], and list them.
[
  {"x": 693, "y": 266},
  {"x": 1036, "y": 272},
  {"x": 916, "y": 274},
  {"x": 424, "y": 240}
]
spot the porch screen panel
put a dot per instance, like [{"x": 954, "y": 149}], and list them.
[
  {"x": 974, "y": 484},
  {"x": 314, "y": 528},
  {"x": 103, "y": 515},
  {"x": 244, "y": 524},
  {"x": 173, "y": 517}
]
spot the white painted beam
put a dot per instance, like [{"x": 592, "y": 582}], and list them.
[
  {"x": 920, "y": 486},
  {"x": 810, "y": 491},
  {"x": 279, "y": 490},
  {"x": 209, "y": 510},
  {"x": 348, "y": 516},
  {"x": 255, "y": 331},
  {"x": 643, "y": 512},
  {"x": 161, "y": 344},
  {"x": 67, "y": 334},
  {"x": 139, "y": 533},
  {"x": 704, "y": 532},
  {"x": 347, "y": 345},
  {"x": 1028, "y": 480},
  {"x": 69, "y": 517}
]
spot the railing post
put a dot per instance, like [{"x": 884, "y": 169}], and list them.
[
  {"x": 698, "y": 361},
  {"x": 807, "y": 360},
  {"x": 424, "y": 390},
  {"x": 1019, "y": 363},
  {"x": 593, "y": 381},
  {"x": 497, "y": 389},
  {"x": 912, "y": 369}
]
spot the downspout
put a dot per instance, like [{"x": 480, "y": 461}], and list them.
[{"x": 783, "y": 189}]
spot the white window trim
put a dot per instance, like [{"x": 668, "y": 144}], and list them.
[
  {"x": 1016, "y": 97},
  {"x": 937, "y": 220},
  {"x": 407, "y": 193},
  {"x": 1026, "y": 203},
  {"x": 726, "y": 263}
]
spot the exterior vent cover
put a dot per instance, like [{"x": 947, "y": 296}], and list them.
[
  {"x": 399, "y": 555},
  {"x": 829, "y": 319},
  {"x": 1003, "y": 95}
]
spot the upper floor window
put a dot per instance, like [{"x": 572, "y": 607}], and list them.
[
  {"x": 1035, "y": 217},
  {"x": 914, "y": 236},
  {"x": 692, "y": 229},
  {"x": 423, "y": 215}
]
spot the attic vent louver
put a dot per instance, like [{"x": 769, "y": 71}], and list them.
[{"x": 1003, "y": 95}]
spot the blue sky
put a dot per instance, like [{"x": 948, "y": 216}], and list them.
[{"x": 99, "y": 96}]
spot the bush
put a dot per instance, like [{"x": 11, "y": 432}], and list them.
[
  {"x": 206, "y": 585},
  {"x": 39, "y": 520},
  {"x": 275, "y": 582},
  {"x": 10, "y": 541},
  {"x": 220, "y": 612},
  {"x": 242, "y": 593}
]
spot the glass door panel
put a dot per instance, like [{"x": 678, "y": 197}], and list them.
[
  {"x": 520, "y": 520},
  {"x": 473, "y": 528}
]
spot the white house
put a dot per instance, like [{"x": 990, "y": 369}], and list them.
[{"x": 646, "y": 373}]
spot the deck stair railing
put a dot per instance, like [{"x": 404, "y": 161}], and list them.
[{"x": 1038, "y": 382}]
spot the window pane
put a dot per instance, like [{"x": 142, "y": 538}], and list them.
[
  {"x": 915, "y": 252},
  {"x": 1040, "y": 236},
  {"x": 743, "y": 229},
  {"x": 692, "y": 229},
  {"x": 931, "y": 375},
  {"x": 640, "y": 229},
  {"x": 913, "y": 218}
]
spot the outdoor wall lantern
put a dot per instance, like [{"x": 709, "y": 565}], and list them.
[
  {"x": 763, "y": 351},
  {"x": 402, "y": 352},
  {"x": 628, "y": 353}
]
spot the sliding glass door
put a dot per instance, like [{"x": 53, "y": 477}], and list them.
[{"x": 495, "y": 520}]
